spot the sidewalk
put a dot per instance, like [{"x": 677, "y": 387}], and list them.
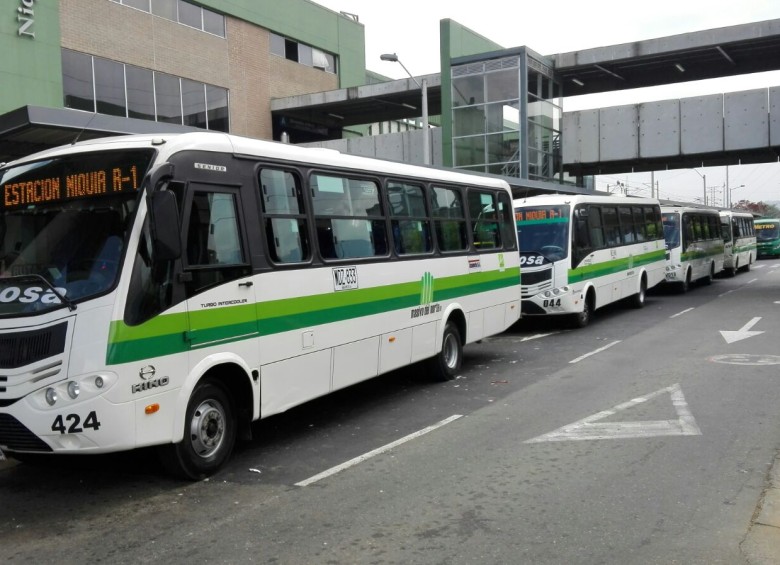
[{"x": 762, "y": 542}]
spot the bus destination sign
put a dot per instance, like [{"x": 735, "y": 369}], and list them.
[
  {"x": 541, "y": 214},
  {"x": 92, "y": 176},
  {"x": 77, "y": 185}
]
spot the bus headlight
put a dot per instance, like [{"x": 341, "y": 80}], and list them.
[
  {"x": 73, "y": 389},
  {"x": 51, "y": 396}
]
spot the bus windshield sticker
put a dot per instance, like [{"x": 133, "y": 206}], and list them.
[{"x": 345, "y": 278}]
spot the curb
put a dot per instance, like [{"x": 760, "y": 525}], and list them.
[{"x": 761, "y": 545}]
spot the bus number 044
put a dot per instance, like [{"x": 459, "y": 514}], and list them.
[
  {"x": 552, "y": 302},
  {"x": 74, "y": 420}
]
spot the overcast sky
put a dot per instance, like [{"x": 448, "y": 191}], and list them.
[{"x": 411, "y": 30}]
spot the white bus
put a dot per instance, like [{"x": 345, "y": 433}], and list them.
[
  {"x": 170, "y": 290},
  {"x": 694, "y": 245},
  {"x": 581, "y": 252},
  {"x": 739, "y": 240}
]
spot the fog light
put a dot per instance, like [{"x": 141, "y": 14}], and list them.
[
  {"x": 73, "y": 389},
  {"x": 99, "y": 381},
  {"x": 51, "y": 396}
]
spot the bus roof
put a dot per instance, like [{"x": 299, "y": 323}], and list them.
[
  {"x": 557, "y": 199},
  {"x": 169, "y": 144}
]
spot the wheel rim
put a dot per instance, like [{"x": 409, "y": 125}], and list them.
[
  {"x": 450, "y": 351},
  {"x": 207, "y": 428}
]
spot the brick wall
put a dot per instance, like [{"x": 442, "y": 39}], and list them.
[{"x": 242, "y": 63}]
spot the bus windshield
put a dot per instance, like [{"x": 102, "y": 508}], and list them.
[
  {"x": 672, "y": 229},
  {"x": 543, "y": 231},
  {"x": 767, "y": 231},
  {"x": 63, "y": 227}
]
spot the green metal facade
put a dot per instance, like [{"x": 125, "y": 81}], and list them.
[
  {"x": 455, "y": 40},
  {"x": 31, "y": 69}
]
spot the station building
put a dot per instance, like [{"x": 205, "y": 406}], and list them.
[{"x": 296, "y": 71}]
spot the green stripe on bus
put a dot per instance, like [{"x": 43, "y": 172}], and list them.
[
  {"x": 691, "y": 255},
  {"x": 615, "y": 266},
  {"x": 170, "y": 333}
]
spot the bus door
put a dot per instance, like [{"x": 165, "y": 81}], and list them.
[{"x": 216, "y": 267}]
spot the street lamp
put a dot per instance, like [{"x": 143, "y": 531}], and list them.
[
  {"x": 728, "y": 193},
  {"x": 704, "y": 185},
  {"x": 393, "y": 58}
]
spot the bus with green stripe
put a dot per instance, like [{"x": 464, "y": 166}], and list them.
[
  {"x": 171, "y": 290},
  {"x": 581, "y": 252},
  {"x": 767, "y": 237},
  {"x": 739, "y": 241},
  {"x": 695, "y": 247}
]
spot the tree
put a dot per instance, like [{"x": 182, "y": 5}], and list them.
[{"x": 761, "y": 208}]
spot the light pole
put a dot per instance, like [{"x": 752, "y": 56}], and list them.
[
  {"x": 704, "y": 185},
  {"x": 393, "y": 58},
  {"x": 728, "y": 193}
]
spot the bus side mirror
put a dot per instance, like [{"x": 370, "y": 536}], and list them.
[{"x": 164, "y": 225}]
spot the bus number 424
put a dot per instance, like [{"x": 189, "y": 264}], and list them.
[{"x": 71, "y": 424}]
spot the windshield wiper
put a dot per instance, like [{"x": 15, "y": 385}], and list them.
[{"x": 64, "y": 299}]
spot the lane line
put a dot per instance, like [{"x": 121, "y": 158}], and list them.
[
  {"x": 599, "y": 350},
  {"x": 359, "y": 459},
  {"x": 538, "y": 336},
  {"x": 683, "y": 312},
  {"x": 750, "y": 282}
]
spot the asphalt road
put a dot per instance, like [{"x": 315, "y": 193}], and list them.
[{"x": 647, "y": 437}]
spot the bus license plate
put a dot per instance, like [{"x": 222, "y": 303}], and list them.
[{"x": 345, "y": 278}]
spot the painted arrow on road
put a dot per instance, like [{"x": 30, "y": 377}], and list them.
[
  {"x": 742, "y": 333},
  {"x": 593, "y": 427}
]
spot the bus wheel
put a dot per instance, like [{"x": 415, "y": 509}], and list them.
[
  {"x": 209, "y": 435},
  {"x": 711, "y": 275},
  {"x": 638, "y": 300},
  {"x": 746, "y": 268},
  {"x": 582, "y": 319},
  {"x": 685, "y": 285},
  {"x": 446, "y": 364}
]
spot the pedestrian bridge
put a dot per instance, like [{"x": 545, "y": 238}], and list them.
[{"x": 718, "y": 129}]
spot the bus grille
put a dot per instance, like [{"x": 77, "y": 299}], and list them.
[
  {"x": 14, "y": 436},
  {"x": 535, "y": 277},
  {"x": 22, "y": 348}
]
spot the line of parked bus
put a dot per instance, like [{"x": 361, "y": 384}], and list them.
[
  {"x": 171, "y": 290},
  {"x": 580, "y": 253}
]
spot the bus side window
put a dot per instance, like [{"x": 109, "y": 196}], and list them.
[
  {"x": 409, "y": 220},
  {"x": 506, "y": 219},
  {"x": 611, "y": 226},
  {"x": 285, "y": 222},
  {"x": 348, "y": 217},
  {"x": 582, "y": 246},
  {"x": 484, "y": 224},
  {"x": 449, "y": 220},
  {"x": 595, "y": 228}
]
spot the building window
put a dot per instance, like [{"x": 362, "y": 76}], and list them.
[
  {"x": 182, "y": 12},
  {"x": 302, "y": 53},
  {"x": 99, "y": 85}
]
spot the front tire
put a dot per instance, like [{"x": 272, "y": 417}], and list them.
[
  {"x": 446, "y": 364},
  {"x": 582, "y": 319},
  {"x": 209, "y": 434},
  {"x": 638, "y": 300}
]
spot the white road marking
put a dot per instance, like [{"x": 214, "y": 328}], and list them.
[
  {"x": 359, "y": 459},
  {"x": 589, "y": 429},
  {"x": 746, "y": 359},
  {"x": 751, "y": 282},
  {"x": 681, "y": 313},
  {"x": 537, "y": 336},
  {"x": 742, "y": 333},
  {"x": 599, "y": 350},
  {"x": 760, "y": 266}
]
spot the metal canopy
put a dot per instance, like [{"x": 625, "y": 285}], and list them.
[
  {"x": 387, "y": 101},
  {"x": 30, "y": 129}
]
